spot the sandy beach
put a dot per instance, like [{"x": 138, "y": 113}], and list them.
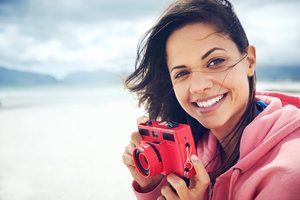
[{"x": 66, "y": 151}]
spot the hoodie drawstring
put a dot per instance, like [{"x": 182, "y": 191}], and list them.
[{"x": 235, "y": 174}]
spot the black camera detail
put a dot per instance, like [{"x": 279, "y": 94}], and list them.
[{"x": 172, "y": 124}]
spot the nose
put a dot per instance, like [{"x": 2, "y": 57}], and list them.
[{"x": 200, "y": 82}]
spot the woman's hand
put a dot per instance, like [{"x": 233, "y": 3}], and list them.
[
  {"x": 198, "y": 186},
  {"x": 146, "y": 184}
]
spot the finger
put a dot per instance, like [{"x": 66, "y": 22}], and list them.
[
  {"x": 167, "y": 192},
  {"x": 129, "y": 148},
  {"x": 179, "y": 185},
  {"x": 161, "y": 198},
  {"x": 136, "y": 138},
  {"x": 201, "y": 174},
  {"x": 128, "y": 160},
  {"x": 142, "y": 119}
]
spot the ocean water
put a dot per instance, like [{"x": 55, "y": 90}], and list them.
[{"x": 67, "y": 142}]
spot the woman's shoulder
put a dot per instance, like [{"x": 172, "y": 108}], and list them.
[
  {"x": 282, "y": 110},
  {"x": 275, "y": 124},
  {"x": 284, "y": 98}
]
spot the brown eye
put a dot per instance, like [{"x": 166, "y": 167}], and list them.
[
  {"x": 181, "y": 74},
  {"x": 216, "y": 62}
]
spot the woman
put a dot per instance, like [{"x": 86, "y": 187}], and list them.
[{"x": 195, "y": 66}]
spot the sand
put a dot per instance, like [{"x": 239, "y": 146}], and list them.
[{"x": 66, "y": 151}]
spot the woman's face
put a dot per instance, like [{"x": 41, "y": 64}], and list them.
[{"x": 209, "y": 76}]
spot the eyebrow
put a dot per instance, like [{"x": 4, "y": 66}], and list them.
[
  {"x": 210, "y": 51},
  {"x": 202, "y": 58}
]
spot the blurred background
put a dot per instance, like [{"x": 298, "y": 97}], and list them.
[{"x": 65, "y": 117}]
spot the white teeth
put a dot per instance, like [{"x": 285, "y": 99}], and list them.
[{"x": 205, "y": 104}]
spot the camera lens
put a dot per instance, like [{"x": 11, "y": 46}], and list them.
[
  {"x": 142, "y": 162},
  {"x": 147, "y": 160}
]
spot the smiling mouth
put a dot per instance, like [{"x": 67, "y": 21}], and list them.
[{"x": 210, "y": 102}]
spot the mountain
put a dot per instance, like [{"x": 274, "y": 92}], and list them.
[{"x": 9, "y": 77}]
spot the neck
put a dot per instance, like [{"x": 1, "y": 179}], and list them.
[
  {"x": 227, "y": 140},
  {"x": 228, "y": 145},
  {"x": 227, "y": 134}
]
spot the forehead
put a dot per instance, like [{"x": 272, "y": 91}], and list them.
[
  {"x": 197, "y": 34},
  {"x": 195, "y": 40}
]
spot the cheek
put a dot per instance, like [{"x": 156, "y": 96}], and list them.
[
  {"x": 238, "y": 80},
  {"x": 182, "y": 96},
  {"x": 240, "y": 87}
]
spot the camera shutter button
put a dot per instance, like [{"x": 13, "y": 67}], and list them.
[
  {"x": 172, "y": 124},
  {"x": 149, "y": 123}
]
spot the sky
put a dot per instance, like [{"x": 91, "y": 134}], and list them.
[{"x": 57, "y": 37}]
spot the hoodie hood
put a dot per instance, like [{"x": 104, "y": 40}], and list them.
[
  {"x": 274, "y": 125},
  {"x": 280, "y": 118}
]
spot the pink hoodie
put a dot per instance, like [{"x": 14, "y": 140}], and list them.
[{"x": 269, "y": 163}]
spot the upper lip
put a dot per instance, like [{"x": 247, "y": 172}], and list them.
[{"x": 207, "y": 98}]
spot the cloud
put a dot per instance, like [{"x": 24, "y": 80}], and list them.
[
  {"x": 88, "y": 46},
  {"x": 59, "y": 36},
  {"x": 81, "y": 10},
  {"x": 56, "y": 37}
]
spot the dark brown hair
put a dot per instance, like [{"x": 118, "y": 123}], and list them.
[{"x": 151, "y": 80}]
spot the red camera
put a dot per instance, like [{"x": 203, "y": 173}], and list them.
[{"x": 165, "y": 148}]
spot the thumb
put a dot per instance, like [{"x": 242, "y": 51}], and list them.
[{"x": 201, "y": 174}]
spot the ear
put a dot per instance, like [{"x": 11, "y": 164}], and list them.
[{"x": 251, "y": 58}]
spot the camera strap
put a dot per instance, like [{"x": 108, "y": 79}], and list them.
[{"x": 188, "y": 166}]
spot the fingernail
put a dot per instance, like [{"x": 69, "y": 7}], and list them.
[
  {"x": 194, "y": 157},
  {"x": 160, "y": 198}
]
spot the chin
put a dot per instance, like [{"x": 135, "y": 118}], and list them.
[{"x": 211, "y": 123}]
